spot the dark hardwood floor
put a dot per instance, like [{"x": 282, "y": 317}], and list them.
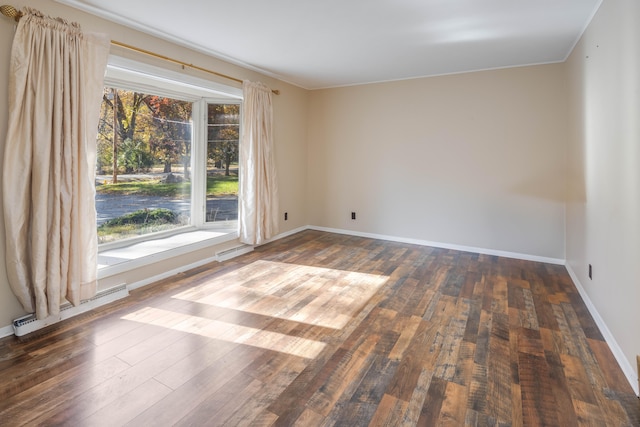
[{"x": 324, "y": 329}]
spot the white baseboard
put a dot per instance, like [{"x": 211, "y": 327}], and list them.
[
  {"x": 625, "y": 365},
  {"x": 483, "y": 251},
  {"x": 221, "y": 256},
  {"x": 29, "y": 323},
  {"x": 166, "y": 274},
  {"x": 286, "y": 234},
  {"x": 177, "y": 249},
  {"x": 233, "y": 252},
  {"x": 5, "y": 331}
]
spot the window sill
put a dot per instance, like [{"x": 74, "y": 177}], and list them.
[{"x": 122, "y": 259}]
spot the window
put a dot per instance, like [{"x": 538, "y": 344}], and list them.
[
  {"x": 223, "y": 136},
  {"x": 167, "y": 154},
  {"x": 143, "y": 164}
]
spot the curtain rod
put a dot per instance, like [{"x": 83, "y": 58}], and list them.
[{"x": 12, "y": 12}]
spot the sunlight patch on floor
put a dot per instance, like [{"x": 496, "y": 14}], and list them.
[
  {"x": 312, "y": 295},
  {"x": 229, "y": 332}
]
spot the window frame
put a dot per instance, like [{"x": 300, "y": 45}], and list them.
[
  {"x": 127, "y": 74},
  {"x": 204, "y": 156}
]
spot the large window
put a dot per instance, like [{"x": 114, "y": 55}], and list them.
[{"x": 167, "y": 154}]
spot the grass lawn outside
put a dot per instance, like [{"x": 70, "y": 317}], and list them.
[
  {"x": 146, "y": 221},
  {"x": 217, "y": 185}
]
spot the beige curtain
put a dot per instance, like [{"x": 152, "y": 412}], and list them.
[
  {"x": 55, "y": 86},
  {"x": 258, "y": 191}
]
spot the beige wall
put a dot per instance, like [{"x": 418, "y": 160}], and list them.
[
  {"x": 603, "y": 199},
  {"x": 472, "y": 159},
  {"x": 290, "y": 112}
]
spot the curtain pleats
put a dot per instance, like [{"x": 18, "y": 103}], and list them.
[
  {"x": 55, "y": 86},
  {"x": 258, "y": 190}
]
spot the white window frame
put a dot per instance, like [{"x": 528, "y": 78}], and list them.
[
  {"x": 127, "y": 74},
  {"x": 199, "y": 183}
]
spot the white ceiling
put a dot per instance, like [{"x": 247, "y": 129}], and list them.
[{"x": 327, "y": 43}]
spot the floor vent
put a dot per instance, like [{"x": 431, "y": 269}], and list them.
[
  {"x": 27, "y": 324},
  {"x": 233, "y": 252}
]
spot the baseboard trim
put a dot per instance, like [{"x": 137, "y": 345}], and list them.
[
  {"x": 218, "y": 257},
  {"x": 484, "y": 251},
  {"x": 625, "y": 365},
  {"x": 166, "y": 274},
  {"x": 179, "y": 250},
  {"x": 286, "y": 234},
  {"x": 29, "y": 323},
  {"x": 5, "y": 331}
]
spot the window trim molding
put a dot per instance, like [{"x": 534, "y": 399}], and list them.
[
  {"x": 136, "y": 262},
  {"x": 126, "y": 71}
]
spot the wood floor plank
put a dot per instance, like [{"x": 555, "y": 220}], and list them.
[
  {"x": 422, "y": 351},
  {"x": 614, "y": 378},
  {"x": 223, "y": 412},
  {"x": 589, "y": 415},
  {"x": 464, "y": 365},
  {"x": 48, "y": 395},
  {"x": 389, "y": 413},
  {"x": 376, "y": 381},
  {"x": 453, "y": 411},
  {"x": 473, "y": 322},
  {"x": 349, "y": 370},
  {"x": 416, "y": 402},
  {"x": 322, "y": 329},
  {"x": 186, "y": 398},
  {"x": 433, "y": 403},
  {"x": 477, "y": 398},
  {"x": 288, "y": 406},
  {"x": 577, "y": 379},
  {"x": 516, "y": 408},
  {"x": 538, "y": 400},
  {"x": 562, "y": 389},
  {"x": 408, "y": 327},
  {"x": 128, "y": 406},
  {"x": 448, "y": 357},
  {"x": 309, "y": 418},
  {"x": 499, "y": 370}
]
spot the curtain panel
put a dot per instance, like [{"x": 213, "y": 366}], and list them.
[
  {"x": 258, "y": 190},
  {"x": 55, "y": 86}
]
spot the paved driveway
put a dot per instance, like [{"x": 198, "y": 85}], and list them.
[{"x": 110, "y": 206}]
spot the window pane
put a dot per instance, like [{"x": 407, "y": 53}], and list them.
[
  {"x": 223, "y": 132},
  {"x": 143, "y": 164}
]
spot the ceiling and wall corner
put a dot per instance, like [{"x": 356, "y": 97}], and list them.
[{"x": 336, "y": 43}]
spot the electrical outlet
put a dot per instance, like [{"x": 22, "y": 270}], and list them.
[
  {"x": 286, "y": 216},
  {"x": 353, "y": 215},
  {"x": 590, "y": 272}
]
